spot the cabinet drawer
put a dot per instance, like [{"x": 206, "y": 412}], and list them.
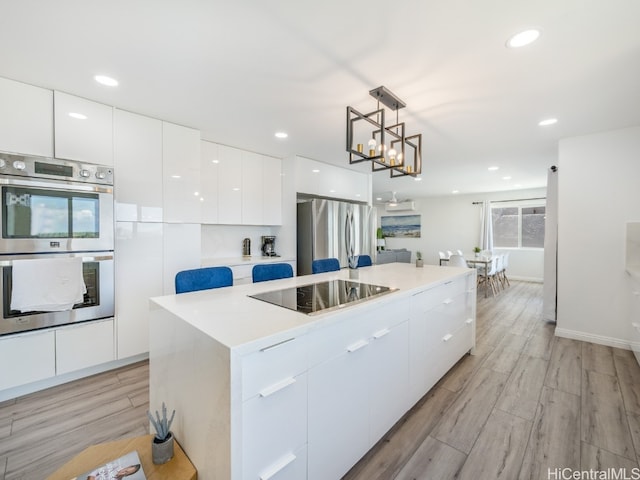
[
  {"x": 27, "y": 358},
  {"x": 273, "y": 364},
  {"x": 452, "y": 346},
  {"x": 84, "y": 345},
  {"x": 433, "y": 297},
  {"x": 447, "y": 317},
  {"x": 291, "y": 466},
  {"x": 274, "y": 426}
]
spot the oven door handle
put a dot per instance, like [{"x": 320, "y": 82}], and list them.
[{"x": 7, "y": 261}]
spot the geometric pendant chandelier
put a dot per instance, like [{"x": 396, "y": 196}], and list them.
[{"x": 387, "y": 147}]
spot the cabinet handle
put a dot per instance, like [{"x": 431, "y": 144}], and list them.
[
  {"x": 448, "y": 301},
  {"x": 447, "y": 283},
  {"x": 381, "y": 333},
  {"x": 276, "y": 387},
  {"x": 469, "y": 321},
  {"x": 279, "y": 465},
  {"x": 447, "y": 337},
  {"x": 276, "y": 345},
  {"x": 357, "y": 346}
]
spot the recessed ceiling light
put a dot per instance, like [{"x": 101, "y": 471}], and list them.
[
  {"x": 378, "y": 199},
  {"x": 332, "y": 191},
  {"x": 418, "y": 179},
  {"x": 523, "y": 38},
  {"x": 455, "y": 191},
  {"x": 176, "y": 176},
  {"x": 506, "y": 178},
  {"x": 315, "y": 170},
  {"x": 281, "y": 135},
  {"x": 236, "y": 189},
  {"x": 197, "y": 194},
  {"x": 104, "y": 80},
  {"x": 548, "y": 121},
  {"x": 215, "y": 161},
  {"x": 78, "y": 116},
  {"x": 493, "y": 169}
]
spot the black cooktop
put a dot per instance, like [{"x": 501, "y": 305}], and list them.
[{"x": 322, "y": 296}]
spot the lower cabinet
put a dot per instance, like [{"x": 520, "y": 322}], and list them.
[
  {"x": 30, "y": 357},
  {"x": 27, "y": 358},
  {"x": 84, "y": 345},
  {"x": 634, "y": 321}
]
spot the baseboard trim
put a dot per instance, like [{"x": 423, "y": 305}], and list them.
[
  {"x": 526, "y": 279},
  {"x": 21, "y": 390},
  {"x": 591, "y": 338}
]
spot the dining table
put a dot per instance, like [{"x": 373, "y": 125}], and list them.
[{"x": 475, "y": 261}]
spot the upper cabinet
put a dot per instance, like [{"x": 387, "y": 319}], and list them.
[
  {"x": 83, "y": 129},
  {"x": 252, "y": 188},
  {"x": 26, "y": 122},
  {"x": 138, "y": 167},
  {"x": 209, "y": 174},
  {"x": 248, "y": 186},
  {"x": 317, "y": 178},
  {"x": 272, "y": 195},
  {"x": 181, "y": 174},
  {"x": 229, "y": 185}
]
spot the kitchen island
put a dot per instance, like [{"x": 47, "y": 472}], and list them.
[{"x": 266, "y": 392}]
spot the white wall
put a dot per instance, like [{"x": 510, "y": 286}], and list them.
[
  {"x": 453, "y": 222},
  {"x": 598, "y": 193}
]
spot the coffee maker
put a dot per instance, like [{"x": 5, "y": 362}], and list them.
[{"x": 269, "y": 247}]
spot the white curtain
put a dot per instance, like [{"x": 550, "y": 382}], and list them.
[
  {"x": 549, "y": 289},
  {"x": 486, "y": 227}
]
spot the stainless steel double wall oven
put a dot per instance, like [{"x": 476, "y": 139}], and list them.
[{"x": 55, "y": 208}]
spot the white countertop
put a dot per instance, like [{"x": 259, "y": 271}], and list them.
[
  {"x": 245, "y": 324},
  {"x": 236, "y": 261}
]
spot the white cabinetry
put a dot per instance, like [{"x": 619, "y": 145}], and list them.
[
  {"x": 272, "y": 194},
  {"x": 181, "y": 174},
  {"x": 209, "y": 174},
  {"x": 83, "y": 129},
  {"x": 27, "y": 358},
  {"x": 360, "y": 390},
  {"x": 26, "y": 121},
  {"x": 84, "y": 345},
  {"x": 138, "y": 277},
  {"x": 138, "y": 167},
  {"x": 252, "y": 188},
  {"x": 274, "y": 412},
  {"x": 317, "y": 178},
  {"x": 441, "y": 330},
  {"x": 230, "y": 185}
]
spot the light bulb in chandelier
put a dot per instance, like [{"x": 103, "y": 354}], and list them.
[
  {"x": 372, "y": 147},
  {"x": 392, "y": 154}
]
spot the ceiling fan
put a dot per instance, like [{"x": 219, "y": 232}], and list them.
[{"x": 394, "y": 201}]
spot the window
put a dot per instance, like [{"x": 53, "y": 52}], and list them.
[{"x": 518, "y": 226}]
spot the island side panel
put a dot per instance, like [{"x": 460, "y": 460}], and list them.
[{"x": 190, "y": 372}]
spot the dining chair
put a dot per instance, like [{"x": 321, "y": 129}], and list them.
[
  {"x": 449, "y": 253},
  {"x": 503, "y": 272},
  {"x": 459, "y": 252},
  {"x": 364, "y": 261},
  {"x": 443, "y": 256},
  {"x": 203, "y": 279},
  {"x": 457, "y": 261},
  {"x": 325, "y": 265},
  {"x": 490, "y": 276},
  {"x": 271, "y": 271}
]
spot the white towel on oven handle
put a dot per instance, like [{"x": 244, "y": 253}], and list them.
[{"x": 47, "y": 285}]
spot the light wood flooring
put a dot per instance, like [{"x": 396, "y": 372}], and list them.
[{"x": 526, "y": 402}]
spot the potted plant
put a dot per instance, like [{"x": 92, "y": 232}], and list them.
[
  {"x": 476, "y": 250},
  {"x": 419, "y": 261},
  {"x": 162, "y": 445}
]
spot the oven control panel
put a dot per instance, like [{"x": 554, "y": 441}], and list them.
[{"x": 55, "y": 169}]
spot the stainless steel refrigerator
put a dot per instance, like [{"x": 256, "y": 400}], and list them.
[{"x": 324, "y": 229}]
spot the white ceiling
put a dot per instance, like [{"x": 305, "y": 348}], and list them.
[{"x": 241, "y": 70}]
